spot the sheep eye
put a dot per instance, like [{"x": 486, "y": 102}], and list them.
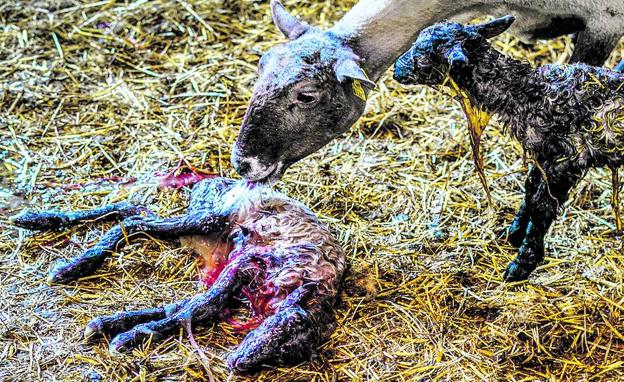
[{"x": 305, "y": 98}]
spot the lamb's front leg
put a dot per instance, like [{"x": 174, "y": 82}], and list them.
[
  {"x": 169, "y": 228},
  {"x": 543, "y": 206},
  {"x": 124, "y": 321},
  {"x": 515, "y": 233},
  {"x": 47, "y": 220}
]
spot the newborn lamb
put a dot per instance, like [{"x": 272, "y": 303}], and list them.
[{"x": 254, "y": 244}]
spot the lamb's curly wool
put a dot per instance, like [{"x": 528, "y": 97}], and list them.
[
  {"x": 555, "y": 110},
  {"x": 569, "y": 118}
]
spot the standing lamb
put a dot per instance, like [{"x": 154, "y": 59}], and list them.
[{"x": 569, "y": 118}]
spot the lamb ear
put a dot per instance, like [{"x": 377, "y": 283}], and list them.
[
  {"x": 288, "y": 24},
  {"x": 494, "y": 27},
  {"x": 456, "y": 57},
  {"x": 350, "y": 69}
]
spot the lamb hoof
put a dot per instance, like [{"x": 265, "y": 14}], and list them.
[
  {"x": 120, "y": 344},
  {"x": 517, "y": 272},
  {"x": 62, "y": 273},
  {"x": 126, "y": 341},
  {"x": 40, "y": 221},
  {"x": 65, "y": 271},
  {"x": 94, "y": 329}
]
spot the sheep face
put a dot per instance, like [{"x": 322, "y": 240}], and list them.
[
  {"x": 298, "y": 105},
  {"x": 444, "y": 49},
  {"x": 309, "y": 90}
]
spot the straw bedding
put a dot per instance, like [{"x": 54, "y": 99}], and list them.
[{"x": 97, "y": 96}]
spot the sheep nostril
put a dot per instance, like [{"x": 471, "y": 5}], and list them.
[{"x": 243, "y": 167}]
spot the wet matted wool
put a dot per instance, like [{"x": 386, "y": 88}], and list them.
[{"x": 95, "y": 97}]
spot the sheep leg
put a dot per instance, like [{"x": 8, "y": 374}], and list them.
[
  {"x": 543, "y": 206},
  {"x": 515, "y": 233},
  {"x": 199, "y": 309},
  {"x": 289, "y": 336},
  {"x": 48, "y": 220},
  {"x": 124, "y": 321},
  {"x": 90, "y": 260},
  {"x": 593, "y": 45}
]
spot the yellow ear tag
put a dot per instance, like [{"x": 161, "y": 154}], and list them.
[{"x": 358, "y": 91}]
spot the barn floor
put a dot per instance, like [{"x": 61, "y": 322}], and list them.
[{"x": 94, "y": 90}]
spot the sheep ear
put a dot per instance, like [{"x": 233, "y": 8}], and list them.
[
  {"x": 350, "y": 69},
  {"x": 288, "y": 24},
  {"x": 494, "y": 27},
  {"x": 457, "y": 57}
]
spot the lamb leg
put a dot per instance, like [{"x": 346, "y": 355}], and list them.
[
  {"x": 515, "y": 233},
  {"x": 543, "y": 207},
  {"x": 124, "y": 321},
  {"x": 48, "y": 220},
  {"x": 289, "y": 336},
  {"x": 169, "y": 228},
  {"x": 200, "y": 309}
]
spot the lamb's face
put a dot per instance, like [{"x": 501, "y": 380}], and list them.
[
  {"x": 443, "y": 48},
  {"x": 427, "y": 62}
]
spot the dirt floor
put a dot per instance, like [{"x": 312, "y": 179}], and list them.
[{"x": 94, "y": 90}]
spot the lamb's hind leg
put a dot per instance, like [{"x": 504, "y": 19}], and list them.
[
  {"x": 200, "y": 309},
  {"x": 169, "y": 228},
  {"x": 289, "y": 336},
  {"x": 124, "y": 321},
  {"x": 543, "y": 208},
  {"x": 515, "y": 233}
]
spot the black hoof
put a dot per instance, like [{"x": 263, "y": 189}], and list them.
[
  {"x": 518, "y": 272},
  {"x": 40, "y": 221},
  {"x": 94, "y": 329},
  {"x": 129, "y": 340},
  {"x": 62, "y": 273}
]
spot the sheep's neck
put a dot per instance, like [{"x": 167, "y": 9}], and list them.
[
  {"x": 378, "y": 31},
  {"x": 496, "y": 83}
]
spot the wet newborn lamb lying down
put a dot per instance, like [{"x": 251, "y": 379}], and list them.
[
  {"x": 568, "y": 118},
  {"x": 254, "y": 244}
]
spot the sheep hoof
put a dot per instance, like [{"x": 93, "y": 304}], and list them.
[{"x": 518, "y": 272}]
